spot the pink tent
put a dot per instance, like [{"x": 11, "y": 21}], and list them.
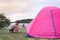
[{"x": 46, "y": 24}]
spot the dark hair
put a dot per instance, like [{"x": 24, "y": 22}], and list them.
[{"x": 17, "y": 21}]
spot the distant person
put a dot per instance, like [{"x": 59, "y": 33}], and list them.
[
  {"x": 23, "y": 25},
  {"x": 14, "y": 27}
]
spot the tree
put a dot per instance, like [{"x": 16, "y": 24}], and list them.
[
  {"x": 25, "y": 20},
  {"x": 4, "y": 21}
]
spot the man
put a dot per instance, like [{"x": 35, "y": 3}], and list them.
[{"x": 14, "y": 27}]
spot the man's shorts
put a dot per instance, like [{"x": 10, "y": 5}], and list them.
[{"x": 11, "y": 30}]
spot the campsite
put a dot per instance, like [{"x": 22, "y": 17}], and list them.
[
  {"x": 29, "y": 19},
  {"x": 45, "y": 26}
]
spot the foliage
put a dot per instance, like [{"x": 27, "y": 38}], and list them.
[
  {"x": 25, "y": 20},
  {"x": 4, "y": 21}
]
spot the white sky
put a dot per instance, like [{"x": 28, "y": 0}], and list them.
[{"x": 23, "y": 9}]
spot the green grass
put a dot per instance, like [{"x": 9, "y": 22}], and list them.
[{"x": 5, "y": 35}]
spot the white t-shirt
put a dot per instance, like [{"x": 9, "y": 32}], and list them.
[{"x": 11, "y": 26}]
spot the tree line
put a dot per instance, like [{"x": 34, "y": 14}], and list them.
[
  {"x": 25, "y": 20},
  {"x": 5, "y": 22}
]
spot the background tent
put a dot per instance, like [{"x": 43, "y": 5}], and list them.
[{"x": 46, "y": 24}]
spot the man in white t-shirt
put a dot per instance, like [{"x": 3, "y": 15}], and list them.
[{"x": 13, "y": 27}]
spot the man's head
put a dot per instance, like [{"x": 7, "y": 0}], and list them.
[{"x": 17, "y": 22}]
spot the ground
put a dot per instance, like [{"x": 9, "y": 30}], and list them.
[{"x": 5, "y": 35}]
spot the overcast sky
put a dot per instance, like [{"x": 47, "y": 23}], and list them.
[{"x": 23, "y": 9}]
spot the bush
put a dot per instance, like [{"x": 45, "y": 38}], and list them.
[{"x": 4, "y": 21}]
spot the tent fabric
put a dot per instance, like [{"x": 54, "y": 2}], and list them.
[{"x": 46, "y": 24}]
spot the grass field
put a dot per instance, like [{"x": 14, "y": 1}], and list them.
[{"x": 5, "y": 35}]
